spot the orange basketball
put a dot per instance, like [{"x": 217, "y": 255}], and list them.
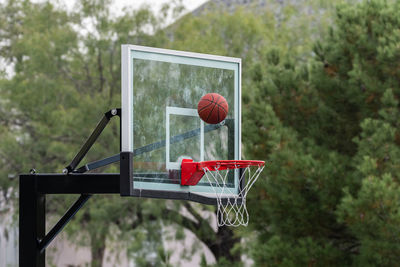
[{"x": 212, "y": 108}]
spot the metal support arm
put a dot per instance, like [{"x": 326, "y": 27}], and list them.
[
  {"x": 92, "y": 138},
  {"x": 98, "y": 164},
  {"x": 63, "y": 222},
  {"x": 33, "y": 189}
]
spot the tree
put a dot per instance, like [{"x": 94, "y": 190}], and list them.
[
  {"x": 372, "y": 213},
  {"x": 64, "y": 78},
  {"x": 329, "y": 128}
]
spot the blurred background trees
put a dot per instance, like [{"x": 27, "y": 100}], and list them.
[
  {"x": 320, "y": 105},
  {"x": 331, "y": 132}
]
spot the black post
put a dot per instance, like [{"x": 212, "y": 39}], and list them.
[
  {"x": 126, "y": 170},
  {"x": 32, "y": 195},
  {"x": 31, "y": 222}
]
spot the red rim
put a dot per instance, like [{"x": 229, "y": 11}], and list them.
[
  {"x": 213, "y": 165},
  {"x": 192, "y": 172}
]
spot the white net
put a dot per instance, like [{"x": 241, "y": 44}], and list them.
[{"x": 231, "y": 200}]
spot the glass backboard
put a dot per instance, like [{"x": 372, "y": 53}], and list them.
[{"x": 160, "y": 124}]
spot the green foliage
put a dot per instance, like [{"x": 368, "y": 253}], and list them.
[
  {"x": 302, "y": 252},
  {"x": 65, "y": 73},
  {"x": 372, "y": 213},
  {"x": 297, "y": 199},
  {"x": 321, "y": 106},
  {"x": 329, "y": 130},
  {"x": 373, "y": 216}
]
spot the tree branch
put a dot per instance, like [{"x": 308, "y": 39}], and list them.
[{"x": 100, "y": 68}]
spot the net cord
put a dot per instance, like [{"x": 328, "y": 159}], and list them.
[{"x": 232, "y": 210}]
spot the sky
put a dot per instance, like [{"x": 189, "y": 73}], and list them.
[
  {"x": 118, "y": 5},
  {"x": 189, "y": 4}
]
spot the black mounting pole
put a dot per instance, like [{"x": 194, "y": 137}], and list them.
[
  {"x": 32, "y": 216},
  {"x": 32, "y": 222}
]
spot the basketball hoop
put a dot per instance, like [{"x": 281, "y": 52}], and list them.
[{"x": 231, "y": 198}]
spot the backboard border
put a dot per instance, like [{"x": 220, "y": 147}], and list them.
[{"x": 127, "y": 113}]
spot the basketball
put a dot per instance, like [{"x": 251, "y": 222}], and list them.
[{"x": 212, "y": 108}]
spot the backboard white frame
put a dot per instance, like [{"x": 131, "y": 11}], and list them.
[{"x": 130, "y": 52}]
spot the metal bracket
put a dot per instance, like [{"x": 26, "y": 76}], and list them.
[{"x": 92, "y": 138}]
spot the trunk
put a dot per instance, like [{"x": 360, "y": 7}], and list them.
[
  {"x": 221, "y": 243},
  {"x": 98, "y": 247},
  {"x": 222, "y": 246}
]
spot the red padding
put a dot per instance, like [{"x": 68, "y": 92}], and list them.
[{"x": 191, "y": 174}]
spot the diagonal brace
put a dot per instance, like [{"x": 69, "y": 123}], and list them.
[
  {"x": 98, "y": 164},
  {"x": 92, "y": 138},
  {"x": 63, "y": 222}
]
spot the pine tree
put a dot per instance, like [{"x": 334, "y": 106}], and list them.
[
  {"x": 330, "y": 132},
  {"x": 372, "y": 213}
]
